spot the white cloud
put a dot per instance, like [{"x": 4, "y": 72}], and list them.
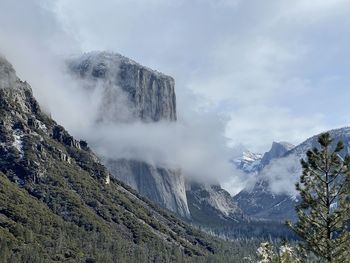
[
  {"x": 246, "y": 73},
  {"x": 272, "y": 124},
  {"x": 196, "y": 148},
  {"x": 282, "y": 174}
]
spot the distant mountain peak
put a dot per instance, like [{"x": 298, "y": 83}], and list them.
[
  {"x": 278, "y": 149},
  {"x": 288, "y": 146}
]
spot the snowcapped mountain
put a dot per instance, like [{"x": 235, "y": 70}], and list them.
[
  {"x": 272, "y": 196},
  {"x": 259, "y": 201},
  {"x": 250, "y": 162}
]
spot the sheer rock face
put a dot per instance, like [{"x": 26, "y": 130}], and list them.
[
  {"x": 150, "y": 94},
  {"x": 277, "y": 150},
  {"x": 164, "y": 186},
  {"x": 150, "y": 97}
]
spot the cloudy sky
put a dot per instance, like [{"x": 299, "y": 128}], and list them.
[{"x": 274, "y": 69}]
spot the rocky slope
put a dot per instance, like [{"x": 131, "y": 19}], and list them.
[
  {"x": 58, "y": 203},
  {"x": 261, "y": 203},
  {"x": 150, "y": 97},
  {"x": 211, "y": 205}
]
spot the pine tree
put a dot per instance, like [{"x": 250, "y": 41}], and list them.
[
  {"x": 324, "y": 209},
  {"x": 268, "y": 253}
]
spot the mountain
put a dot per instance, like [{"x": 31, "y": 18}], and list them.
[
  {"x": 148, "y": 96},
  {"x": 211, "y": 205},
  {"x": 58, "y": 203},
  {"x": 259, "y": 202},
  {"x": 341, "y": 134},
  {"x": 250, "y": 162},
  {"x": 282, "y": 162},
  {"x": 278, "y": 149}
]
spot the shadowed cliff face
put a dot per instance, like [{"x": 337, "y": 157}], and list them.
[
  {"x": 164, "y": 186},
  {"x": 278, "y": 149}
]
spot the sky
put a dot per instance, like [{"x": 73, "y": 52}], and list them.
[
  {"x": 250, "y": 70},
  {"x": 276, "y": 70}
]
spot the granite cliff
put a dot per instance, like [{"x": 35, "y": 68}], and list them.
[{"x": 148, "y": 96}]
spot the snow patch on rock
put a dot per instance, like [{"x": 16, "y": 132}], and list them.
[
  {"x": 249, "y": 162},
  {"x": 18, "y": 142}
]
